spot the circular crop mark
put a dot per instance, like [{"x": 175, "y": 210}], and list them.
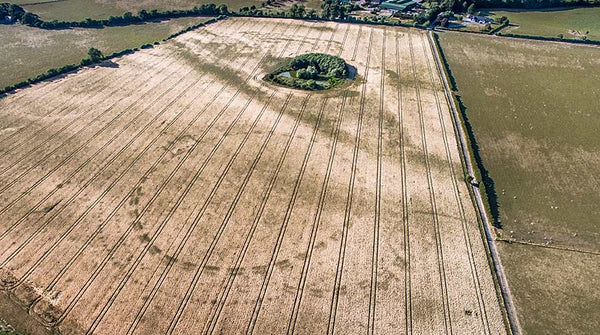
[{"x": 313, "y": 71}]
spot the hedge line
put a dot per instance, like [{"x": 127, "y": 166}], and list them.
[
  {"x": 488, "y": 182},
  {"x": 545, "y": 38},
  {"x": 87, "y": 61},
  {"x": 128, "y": 18}
]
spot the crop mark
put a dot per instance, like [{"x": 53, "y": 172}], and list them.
[
  {"x": 333, "y": 31},
  {"x": 468, "y": 244},
  {"x": 377, "y": 221},
  {"x": 39, "y": 97},
  {"x": 316, "y": 222},
  {"x": 65, "y": 142},
  {"x": 346, "y": 223},
  {"x": 163, "y": 185},
  {"x": 183, "y": 304},
  {"x": 171, "y": 261},
  {"x": 404, "y": 196},
  {"x": 98, "y": 173},
  {"x": 69, "y": 157},
  {"x": 438, "y": 241},
  {"x": 14, "y": 225},
  {"x": 284, "y": 224}
]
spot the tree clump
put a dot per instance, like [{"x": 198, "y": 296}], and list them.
[{"x": 313, "y": 71}]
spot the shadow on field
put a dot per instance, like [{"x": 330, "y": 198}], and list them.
[
  {"x": 107, "y": 63},
  {"x": 351, "y": 71}
]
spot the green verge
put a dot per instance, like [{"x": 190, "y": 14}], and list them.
[{"x": 472, "y": 143}]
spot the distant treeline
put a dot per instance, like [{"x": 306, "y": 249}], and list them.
[{"x": 19, "y": 14}]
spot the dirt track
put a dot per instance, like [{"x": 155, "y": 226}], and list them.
[{"x": 180, "y": 193}]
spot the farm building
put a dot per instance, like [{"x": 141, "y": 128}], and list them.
[
  {"x": 479, "y": 19},
  {"x": 399, "y": 5}
]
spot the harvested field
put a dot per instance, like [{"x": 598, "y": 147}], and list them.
[{"x": 179, "y": 193}]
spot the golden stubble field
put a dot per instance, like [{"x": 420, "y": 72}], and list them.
[{"x": 176, "y": 192}]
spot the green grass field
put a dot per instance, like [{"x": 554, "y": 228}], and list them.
[
  {"x": 77, "y": 10},
  {"x": 554, "y": 21},
  {"x": 27, "y": 52},
  {"x": 534, "y": 108}
]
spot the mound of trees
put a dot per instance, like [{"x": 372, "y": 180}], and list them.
[
  {"x": 332, "y": 66},
  {"x": 314, "y": 71}
]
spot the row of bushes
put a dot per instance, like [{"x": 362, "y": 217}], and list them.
[
  {"x": 196, "y": 26},
  {"x": 65, "y": 69},
  {"x": 125, "y": 19},
  {"x": 545, "y": 38},
  {"x": 95, "y": 56}
]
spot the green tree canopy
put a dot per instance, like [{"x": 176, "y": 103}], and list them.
[{"x": 95, "y": 55}]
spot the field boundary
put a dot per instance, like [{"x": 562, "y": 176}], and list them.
[
  {"x": 54, "y": 73},
  {"x": 511, "y": 313},
  {"x": 549, "y": 246}
]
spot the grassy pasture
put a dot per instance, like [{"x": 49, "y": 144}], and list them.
[
  {"x": 27, "y": 52},
  {"x": 99, "y": 9},
  {"x": 534, "y": 108},
  {"x": 553, "y": 21}
]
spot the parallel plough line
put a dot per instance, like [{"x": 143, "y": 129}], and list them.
[
  {"x": 18, "y": 222},
  {"x": 181, "y": 198},
  {"x": 316, "y": 222},
  {"x": 181, "y": 245},
  {"x": 73, "y": 136},
  {"x": 317, "y": 218},
  {"x": 52, "y": 125},
  {"x": 438, "y": 241},
  {"x": 404, "y": 196},
  {"x": 62, "y": 108},
  {"x": 103, "y": 263},
  {"x": 468, "y": 244},
  {"x": 377, "y": 221},
  {"x": 39, "y": 96},
  {"x": 349, "y": 198},
  {"x": 66, "y": 160}
]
